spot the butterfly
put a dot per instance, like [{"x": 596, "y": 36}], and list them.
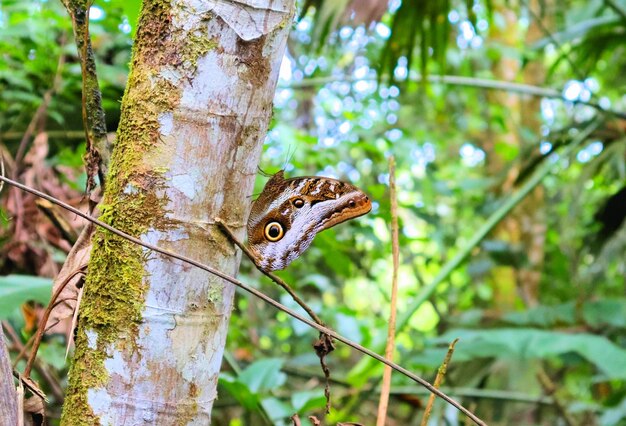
[{"x": 288, "y": 214}]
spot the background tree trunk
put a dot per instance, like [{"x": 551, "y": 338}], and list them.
[
  {"x": 8, "y": 395},
  {"x": 197, "y": 105},
  {"x": 524, "y": 228},
  {"x": 515, "y": 282}
]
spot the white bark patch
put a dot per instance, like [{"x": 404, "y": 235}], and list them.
[
  {"x": 250, "y": 19},
  {"x": 185, "y": 184},
  {"x": 100, "y": 401},
  {"x": 130, "y": 189},
  {"x": 154, "y": 237},
  {"x": 116, "y": 365},
  {"x": 167, "y": 123},
  {"x": 171, "y": 74},
  {"x": 92, "y": 339},
  {"x": 216, "y": 79}
]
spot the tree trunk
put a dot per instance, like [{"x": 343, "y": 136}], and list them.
[
  {"x": 524, "y": 227},
  {"x": 8, "y": 395},
  {"x": 197, "y": 105},
  {"x": 532, "y": 216},
  {"x": 506, "y": 68}
]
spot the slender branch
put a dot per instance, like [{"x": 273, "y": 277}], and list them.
[
  {"x": 10, "y": 331},
  {"x": 438, "y": 379},
  {"x": 85, "y": 40},
  {"x": 477, "y": 393},
  {"x": 254, "y": 292},
  {"x": 550, "y": 389},
  {"x": 324, "y": 345},
  {"x": 54, "y": 384},
  {"x": 391, "y": 330},
  {"x": 44, "y": 320},
  {"x": 474, "y": 393},
  {"x": 455, "y": 80},
  {"x": 23, "y": 350},
  {"x": 94, "y": 124},
  {"x": 495, "y": 394}
]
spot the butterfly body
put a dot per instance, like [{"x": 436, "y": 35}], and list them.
[{"x": 290, "y": 212}]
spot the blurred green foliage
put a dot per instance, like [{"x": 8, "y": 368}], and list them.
[
  {"x": 334, "y": 116},
  {"x": 18, "y": 289}
]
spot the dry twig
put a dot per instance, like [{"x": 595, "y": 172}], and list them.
[
  {"x": 438, "y": 379},
  {"x": 550, "y": 389},
  {"x": 391, "y": 330},
  {"x": 42, "y": 324}
]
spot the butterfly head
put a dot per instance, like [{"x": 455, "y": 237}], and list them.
[{"x": 290, "y": 212}]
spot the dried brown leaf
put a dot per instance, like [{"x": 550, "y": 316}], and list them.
[
  {"x": 34, "y": 411},
  {"x": 71, "y": 276}
]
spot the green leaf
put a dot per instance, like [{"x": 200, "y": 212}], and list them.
[
  {"x": 263, "y": 375},
  {"x": 239, "y": 391},
  {"x": 54, "y": 353},
  {"x": 307, "y": 401},
  {"x": 17, "y": 289},
  {"x": 543, "y": 316},
  {"x": 527, "y": 343},
  {"x": 276, "y": 409},
  {"x": 599, "y": 313},
  {"x": 363, "y": 370},
  {"x": 579, "y": 30},
  {"x": 16, "y": 79},
  {"x": 56, "y": 116}
]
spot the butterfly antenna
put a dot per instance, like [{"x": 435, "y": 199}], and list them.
[
  {"x": 263, "y": 172},
  {"x": 290, "y": 155}
]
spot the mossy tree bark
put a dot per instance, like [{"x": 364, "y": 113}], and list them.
[{"x": 198, "y": 102}]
